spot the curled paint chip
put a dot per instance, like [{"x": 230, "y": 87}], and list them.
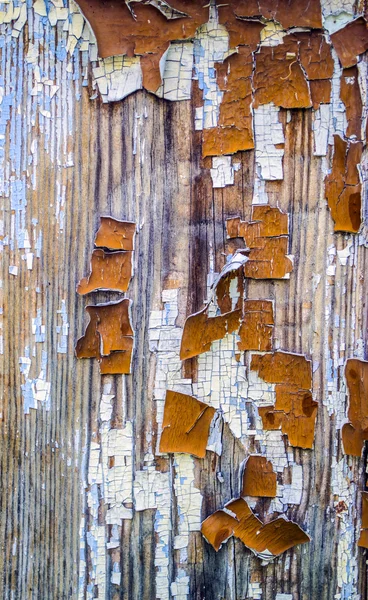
[
  {"x": 108, "y": 331},
  {"x": 115, "y": 235},
  {"x": 295, "y": 411},
  {"x": 200, "y": 331},
  {"x": 266, "y": 236},
  {"x": 259, "y": 478},
  {"x": 145, "y": 30},
  {"x": 186, "y": 424},
  {"x": 266, "y": 541},
  {"x": 109, "y": 271},
  {"x": 256, "y": 328},
  {"x": 351, "y": 41},
  {"x": 355, "y": 432},
  {"x": 343, "y": 187}
]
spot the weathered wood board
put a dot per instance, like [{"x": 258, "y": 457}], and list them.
[{"x": 90, "y": 506}]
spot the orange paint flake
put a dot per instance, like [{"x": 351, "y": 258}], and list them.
[
  {"x": 343, "y": 187},
  {"x": 186, "y": 425},
  {"x": 259, "y": 478},
  {"x": 295, "y": 411},
  {"x": 108, "y": 332},
  {"x": 355, "y": 432},
  {"x": 238, "y": 520}
]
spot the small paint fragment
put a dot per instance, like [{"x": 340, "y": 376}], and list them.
[
  {"x": 256, "y": 327},
  {"x": 200, "y": 331},
  {"x": 343, "y": 186},
  {"x": 267, "y": 237},
  {"x": 363, "y": 539},
  {"x": 109, "y": 271},
  {"x": 351, "y": 41},
  {"x": 115, "y": 235},
  {"x": 259, "y": 478},
  {"x": 186, "y": 425},
  {"x": 108, "y": 337},
  {"x": 355, "y": 432}
]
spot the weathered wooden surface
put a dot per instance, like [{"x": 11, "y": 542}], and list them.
[{"x": 140, "y": 160}]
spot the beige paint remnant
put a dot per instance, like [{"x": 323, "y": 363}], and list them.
[{"x": 186, "y": 425}]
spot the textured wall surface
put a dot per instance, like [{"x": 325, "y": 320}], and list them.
[{"x": 253, "y": 106}]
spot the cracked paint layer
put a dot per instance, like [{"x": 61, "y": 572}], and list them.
[
  {"x": 343, "y": 186},
  {"x": 267, "y": 237},
  {"x": 186, "y": 424},
  {"x": 355, "y": 432},
  {"x": 266, "y": 540},
  {"x": 109, "y": 271},
  {"x": 351, "y": 41},
  {"x": 108, "y": 337},
  {"x": 294, "y": 411},
  {"x": 146, "y": 32},
  {"x": 256, "y": 327},
  {"x": 200, "y": 330},
  {"x": 115, "y": 235},
  {"x": 259, "y": 478},
  {"x": 288, "y": 14},
  {"x": 351, "y": 97},
  {"x": 234, "y": 131}
]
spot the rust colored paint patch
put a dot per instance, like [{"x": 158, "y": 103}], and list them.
[
  {"x": 108, "y": 331},
  {"x": 259, "y": 478},
  {"x": 314, "y": 54},
  {"x": 146, "y": 32},
  {"x": 320, "y": 90},
  {"x": 186, "y": 425},
  {"x": 233, "y": 15},
  {"x": 200, "y": 331},
  {"x": 283, "y": 73},
  {"x": 115, "y": 235},
  {"x": 355, "y": 432},
  {"x": 279, "y": 78},
  {"x": 343, "y": 187},
  {"x": 109, "y": 271},
  {"x": 238, "y": 519},
  {"x": 257, "y": 326},
  {"x": 363, "y": 539},
  {"x": 223, "y": 291},
  {"x": 266, "y": 236},
  {"x": 234, "y": 76},
  {"x": 351, "y": 41},
  {"x": 351, "y": 97},
  {"x": 295, "y": 411}
]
